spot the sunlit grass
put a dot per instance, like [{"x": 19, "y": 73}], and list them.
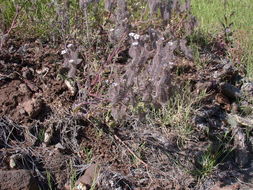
[
  {"x": 210, "y": 14},
  {"x": 177, "y": 113}
]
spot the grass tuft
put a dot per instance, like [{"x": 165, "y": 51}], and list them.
[{"x": 213, "y": 14}]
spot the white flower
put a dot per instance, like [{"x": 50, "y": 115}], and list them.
[
  {"x": 115, "y": 84},
  {"x": 111, "y": 30},
  {"x": 136, "y": 36},
  {"x": 170, "y": 43},
  {"x": 162, "y": 38},
  {"x": 135, "y": 43},
  {"x": 131, "y": 34},
  {"x": 70, "y": 45},
  {"x": 81, "y": 186},
  {"x": 64, "y": 52},
  {"x": 71, "y": 61}
]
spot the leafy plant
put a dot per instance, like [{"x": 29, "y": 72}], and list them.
[
  {"x": 239, "y": 16},
  {"x": 73, "y": 175},
  {"x": 41, "y": 135},
  {"x": 176, "y": 113},
  {"x": 88, "y": 154},
  {"x": 215, "y": 154},
  {"x": 49, "y": 180},
  {"x": 206, "y": 164},
  {"x": 227, "y": 24}
]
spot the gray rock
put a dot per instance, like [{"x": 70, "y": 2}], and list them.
[
  {"x": 242, "y": 153},
  {"x": 230, "y": 91},
  {"x": 247, "y": 88},
  {"x": 88, "y": 178}
]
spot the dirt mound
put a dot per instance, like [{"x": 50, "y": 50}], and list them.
[
  {"x": 17, "y": 179},
  {"x": 29, "y": 85}
]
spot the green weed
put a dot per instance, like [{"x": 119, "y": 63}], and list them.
[
  {"x": 210, "y": 13},
  {"x": 73, "y": 175},
  {"x": 41, "y": 135},
  {"x": 215, "y": 154},
  {"x": 88, "y": 153},
  {"x": 210, "y": 159},
  {"x": 206, "y": 164},
  {"x": 49, "y": 180},
  {"x": 196, "y": 56},
  {"x": 177, "y": 113}
]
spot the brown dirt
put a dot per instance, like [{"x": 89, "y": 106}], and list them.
[
  {"x": 17, "y": 180},
  {"x": 31, "y": 78}
]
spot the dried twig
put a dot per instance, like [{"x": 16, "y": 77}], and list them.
[
  {"x": 127, "y": 147},
  {"x": 117, "y": 50}
]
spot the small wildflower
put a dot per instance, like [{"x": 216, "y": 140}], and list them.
[
  {"x": 135, "y": 43},
  {"x": 136, "y": 36},
  {"x": 170, "y": 43},
  {"x": 81, "y": 186},
  {"x": 115, "y": 84},
  {"x": 70, "y": 45},
  {"x": 63, "y": 52},
  {"x": 71, "y": 61},
  {"x": 131, "y": 34},
  {"x": 111, "y": 30}
]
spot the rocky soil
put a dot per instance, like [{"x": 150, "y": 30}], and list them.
[{"x": 45, "y": 144}]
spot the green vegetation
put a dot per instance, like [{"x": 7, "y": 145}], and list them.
[
  {"x": 88, "y": 152},
  {"x": 177, "y": 113},
  {"x": 73, "y": 175},
  {"x": 212, "y": 13},
  {"x": 32, "y": 18},
  {"x": 209, "y": 160},
  {"x": 49, "y": 180}
]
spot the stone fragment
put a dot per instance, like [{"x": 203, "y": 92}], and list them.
[
  {"x": 203, "y": 85},
  {"x": 33, "y": 107},
  {"x": 87, "y": 179},
  {"x": 230, "y": 91},
  {"x": 71, "y": 86},
  {"x": 14, "y": 159},
  {"x": 48, "y": 135},
  {"x": 242, "y": 155},
  {"x": 59, "y": 146}
]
